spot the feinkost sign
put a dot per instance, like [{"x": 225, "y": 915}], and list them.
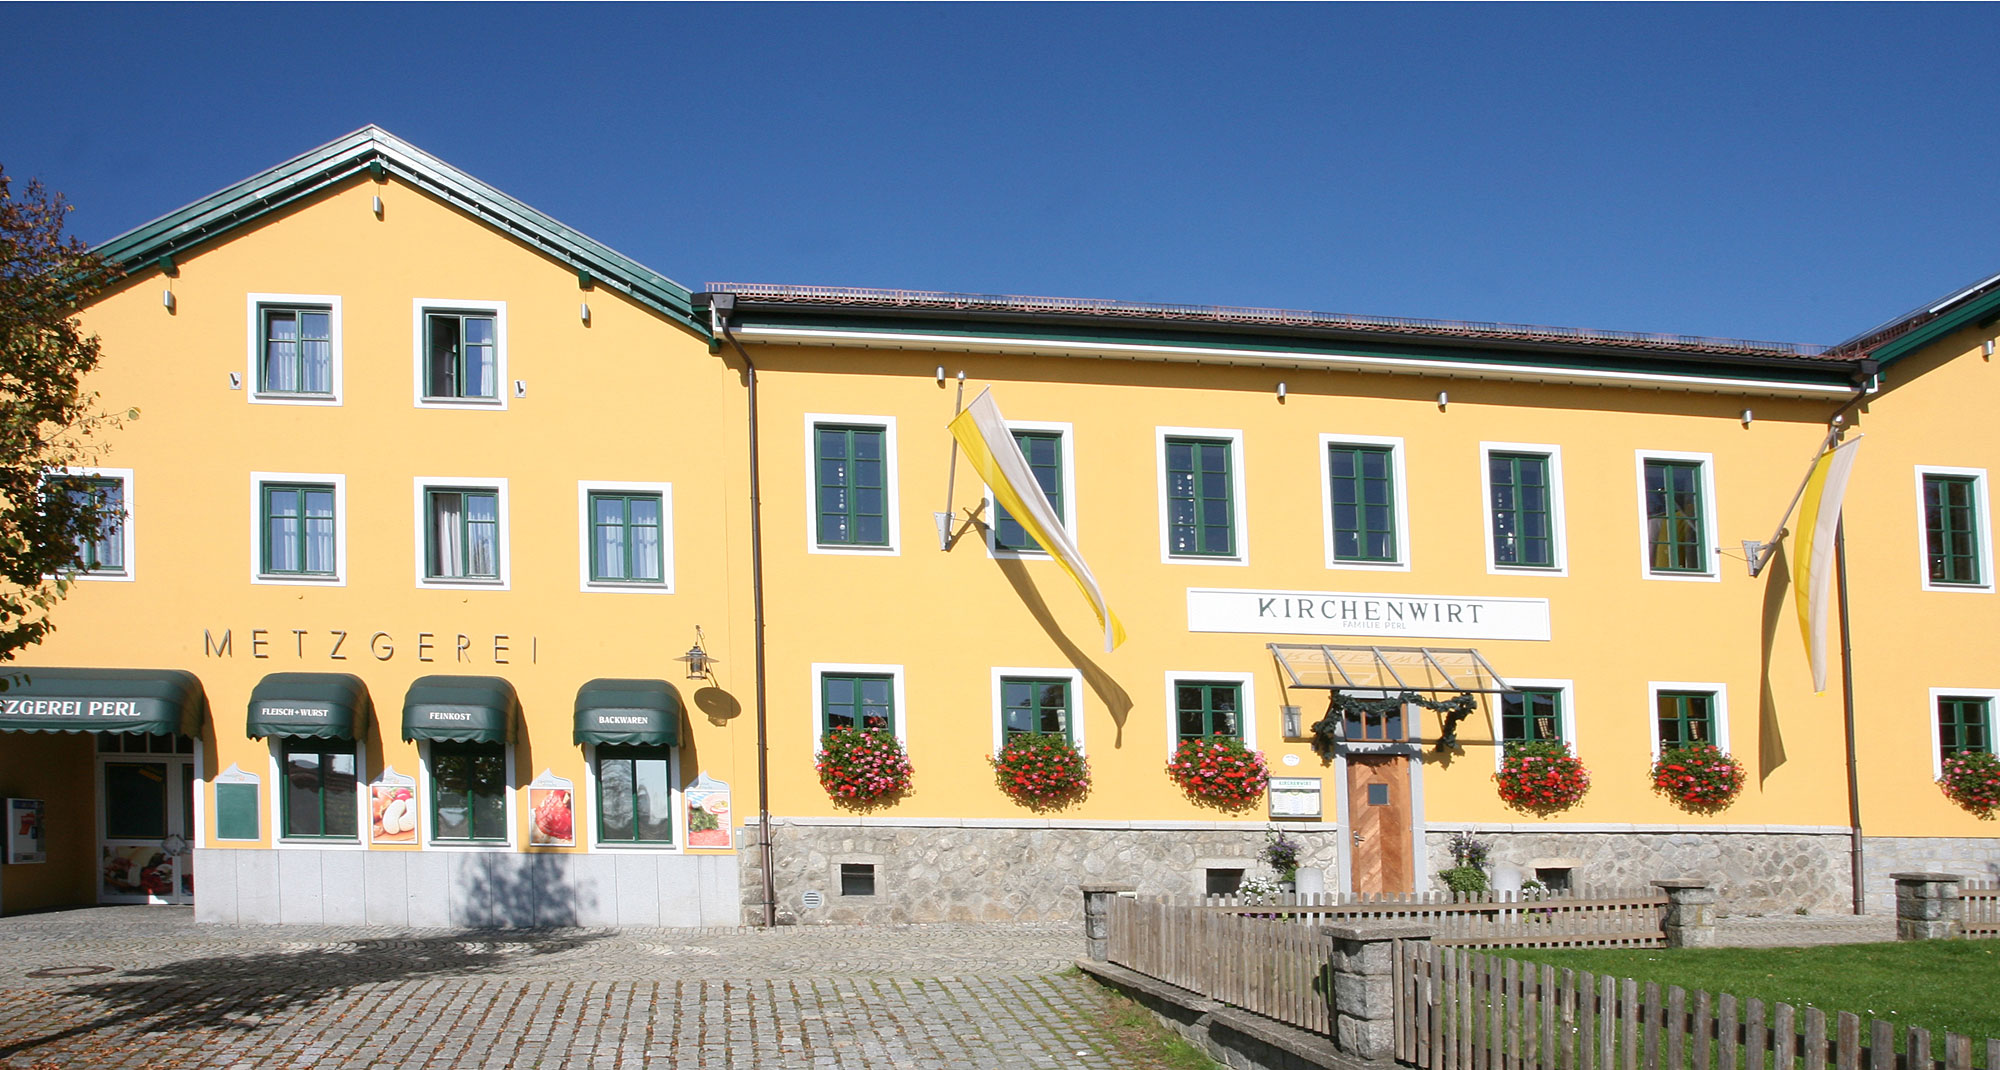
[{"x": 1340, "y": 613}]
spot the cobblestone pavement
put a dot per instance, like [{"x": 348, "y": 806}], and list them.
[{"x": 147, "y": 987}]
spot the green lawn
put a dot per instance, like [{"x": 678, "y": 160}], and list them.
[{"x": 1937, "y": 984}]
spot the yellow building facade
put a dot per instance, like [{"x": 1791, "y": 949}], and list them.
[{"x": 430, "y": 495}]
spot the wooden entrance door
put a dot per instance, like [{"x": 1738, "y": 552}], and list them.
[{"x": 1378, "y": 821}]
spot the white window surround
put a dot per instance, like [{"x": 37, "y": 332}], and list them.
[
  {"x": 992, "y": 513},
  {"x": 1992, "y": 697},
  {"x": 584, "y": 489},
  {"x": 1713, "y": 572},
  {"x": 1076, "y": 689},
  {"x": 128, "y": 545},
  {"x": 890, "y": 498},
  {"x": 339, "y": 484},
  {"x": 1248, "y": 710},
  {"x": 1558, "y": 523},
  {"x": 1568, "y": 690},
  {"x": 1238, "y": 478},
  {"x": 1721, "y": 725},
  {"x": 253, "y": 371},
  {"x": 424, "y": 813},
  {"x": 895, "y": 672},
  {"x": 362, "y": 812},
  {"x": 419, "y": 338},
  {"x": 589, "y": 816},
  {"x": 1984, "y": 531},
  {"x": 420, "y": 515},
  {"x": 1399, "y": 487}
]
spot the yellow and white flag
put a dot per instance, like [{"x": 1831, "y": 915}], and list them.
[
  {"x": 1819, "y": 517},
  {"x": 997, "y": 458}
]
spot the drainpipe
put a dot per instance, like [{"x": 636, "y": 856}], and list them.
[
  {"x": 1856, "y": 860},
  {"x": 721, "y": 306}
]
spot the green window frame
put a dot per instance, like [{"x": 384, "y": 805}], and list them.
[
  {"x": 461, "y": 356},
  {"x": 320, "y": 799},
  {"x": 296, "y": 351},
  {"x": 462, "y": 533},
  {"x": 1043, "y": 452},
  {"x": 1201, "y": 497},
  {"x": 635, "y": 795},
  {"x": 1035, "y": 705},
  {"x": 1951, "y": 530},
  {"x": 1532, "y": 715},
  {"x": 300, "y": 529},
  {"x": 1522, "y": 508},
  {"x": 851, "y": 499},
  {"x": 864, "y": 700},
  {"x": 1686, "y": 717},
  {"x": 1965, "y": 725},
  {"x": 1363, "y": 487},
  {"x": 103, "y": 552},
  {"x": 469, "y": 791},
  {"x": 627, "y": 537},
  {"x": 1676, "y": 517},
  {"x": 1204, "y": 708}
]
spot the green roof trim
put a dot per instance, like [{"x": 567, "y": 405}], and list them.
[
  {"x": 317, "y": 705},
  {"x": 461, "y": 709},
  {"x": 1971, "y": 312},
  {"x": 376, "y": 153},
  {"x": 154, "y": 702},
  {"x": 642, "y": 712}
]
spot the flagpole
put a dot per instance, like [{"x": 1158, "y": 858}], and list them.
[
  {"x": 951, "y": 479},
  {"x": 1765, "y": 551}
]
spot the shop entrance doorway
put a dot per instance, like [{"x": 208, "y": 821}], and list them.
[{"x": 145, "y": 818}]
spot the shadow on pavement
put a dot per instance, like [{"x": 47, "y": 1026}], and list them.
[{"x": 244, "y": 991}]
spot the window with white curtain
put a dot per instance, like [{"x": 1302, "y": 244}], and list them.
[{"x": 462, "y": 533}]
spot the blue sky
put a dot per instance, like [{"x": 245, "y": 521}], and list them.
[{"x": 1794, "y": 172}]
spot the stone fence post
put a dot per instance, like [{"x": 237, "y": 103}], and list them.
[
  {"x": 1097, "y": 918},
  {"x": 1928, "y": 906},
  {"x": 1364, "y": 985},
  {"x": 1690, "y": 920}
]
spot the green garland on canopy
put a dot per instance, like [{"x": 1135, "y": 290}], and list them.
[{"x": 1343, "y": 708}]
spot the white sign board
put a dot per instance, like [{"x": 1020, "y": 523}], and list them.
[
  {"x": 1411, "y": 616},
  {"x": 1295, "y": 796}
]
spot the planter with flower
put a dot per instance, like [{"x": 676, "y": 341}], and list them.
[
  {"x": 1281, "y": 853},
  {"x": 1698, "y": 777},
  {"x": 1219, "y": 770},
  {"x": 1972, "y": 780},
  {"x": 1541, "y": 777},
  {"x": 860, "y": 767},
  {"x": 1040, "y": 771}
]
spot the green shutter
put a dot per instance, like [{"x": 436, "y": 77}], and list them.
[
  {"x": 1201, "y": 497},
  {"x": 1964, "y": 725},
  {"x": 1363, "y": 488},
  {"x": 1522, "y": 510},
  {"x": 1951, "y": 529},
  {"x": 851, "y": 477},
  {"x": 866, "y": 701},
  {"x": 1531, "y": 715},
  {"x": 1686, "y": 717},
  {"x": 1676, "y": 517},
  {"x": 1204, "y": 708},
  {"x": 1035, "y": 706}
]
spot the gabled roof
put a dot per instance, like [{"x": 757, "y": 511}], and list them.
[
  {"x": 374, "y": 150},
  {"x": 1978, "y": 303}
]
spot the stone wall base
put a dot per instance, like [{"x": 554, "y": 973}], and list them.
[
  {"x": 1971, "y": 858},
  {"x": 427, "y": 889},
  {"x": 1752, "y": 872}
]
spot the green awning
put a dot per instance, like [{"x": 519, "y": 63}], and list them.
[
  {"x": 644, "y": 712},
  {"x": 461, "y": 709},
  {"x": 156, "y": 702},
  {"x": 325, "y": 705}
]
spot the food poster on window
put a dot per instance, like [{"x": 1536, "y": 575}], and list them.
[
  {"x": 24, "y": 832},
  {"x": 552, "y": 809},
  {"x": 392, "y": 806},
  {"x": 708, "y": 812},
  {"x": 136, "y": 871}
]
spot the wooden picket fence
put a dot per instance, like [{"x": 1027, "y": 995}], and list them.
[
  {"x": 1276, "y": 970},
  {"x": 1584, "y": 917},
  {"x": 1459, "y": 1010},
  {"x": 1981, "y": 904}
]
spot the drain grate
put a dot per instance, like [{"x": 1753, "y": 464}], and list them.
[{"x": 69, "y": 971}]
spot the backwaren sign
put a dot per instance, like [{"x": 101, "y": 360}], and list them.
[{"x": 1339, "y": 613}]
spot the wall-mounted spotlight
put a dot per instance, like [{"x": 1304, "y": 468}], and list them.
[
  {"x": 583, "y": 313},
  {"x": 1281, "y": 390},
  {"x": 167, "y": 299},
  {"x": 1443, "y": 400},
  {"x": 940, "y": 374},
  {"x": 378, "y": 207},
  {"x": 1747, "y": 417},
  {"x": 1989, "y": 349}
]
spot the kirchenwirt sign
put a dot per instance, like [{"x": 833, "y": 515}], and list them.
[{"x": 1380, "y": 615}]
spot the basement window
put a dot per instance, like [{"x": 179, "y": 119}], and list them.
[
  {"x": 1224, "y": 881},
  {"x": 1555, "y": 880},
  {"x": 857, "y": 878}
]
